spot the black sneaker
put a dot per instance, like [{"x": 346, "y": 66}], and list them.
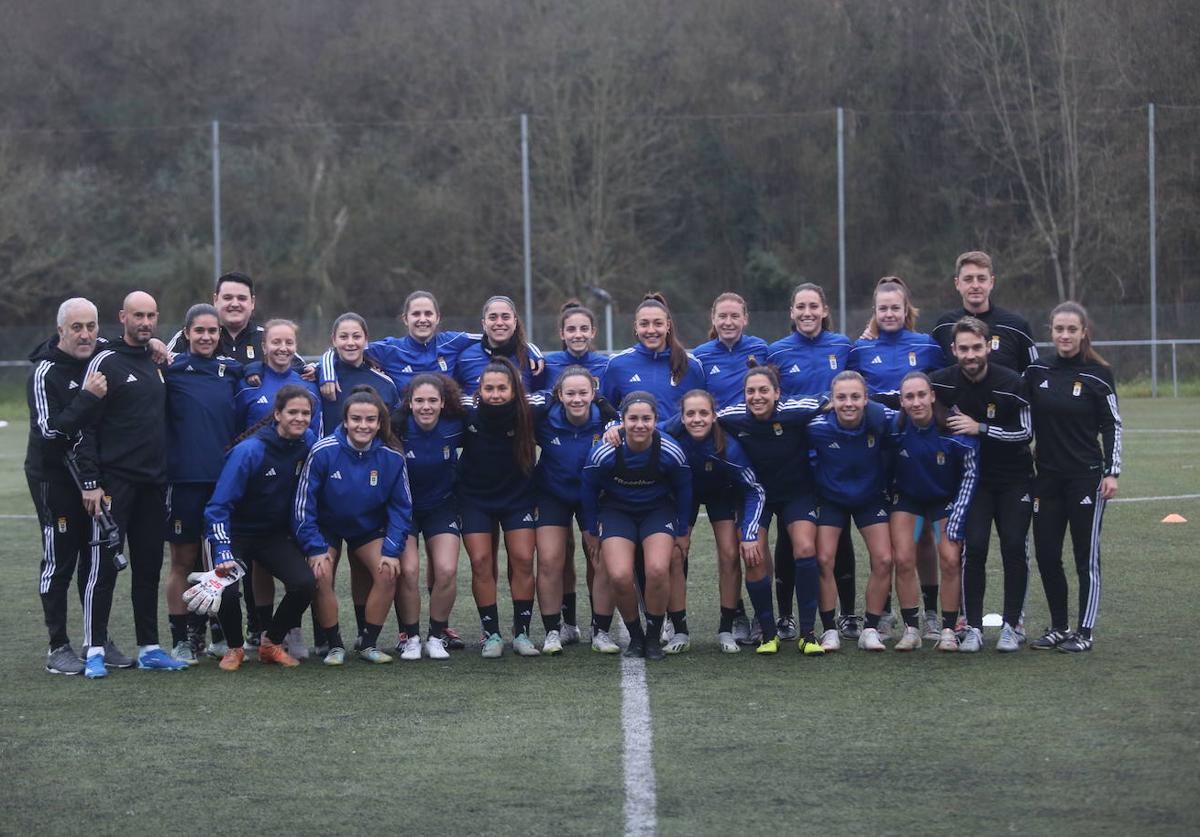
[
  {"x": 638, "y": 647},
  {"x": 1076, "y": 643},
  {"x": 654, "y": 651},
  {"x": 849, "y": 626},
  {"x": 114, "y": 657},
  {"x": 1051, "y": 640}
]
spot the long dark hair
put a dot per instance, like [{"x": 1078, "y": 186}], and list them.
[
  {"x": 1085, "y": 342},
  {"x": 718, "y": 435},
  {"x": 524, "y": 446},
  {"x": 826, "y": 321},
  {"x": 282, "y": 396},
  {"x": 939, "y": 412},
  {"x": 570, "y": 308},
  {"x": 366, "y": 394},
  {"x": 519, "y": 340},
  {"x": 447, "y": 387},
  {"x": 679, "y": 356}
]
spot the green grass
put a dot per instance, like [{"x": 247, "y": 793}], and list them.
[{"x": 1106, "y": 743}]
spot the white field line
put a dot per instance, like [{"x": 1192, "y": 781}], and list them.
[
  {"x": 1151, "y": 499},
  {"x": 641, "y": 804},
  {"x": 1161, "y": 430}
]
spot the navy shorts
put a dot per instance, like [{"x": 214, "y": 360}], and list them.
[
  {"x": 352, "y": 543},
  {"x": 476, "y": 521},
  {"x": 440, "y": 520},
  {"x": 938, "y": 510},
  {"x": 718, "y": 508},
  {"x": 553, "y": 511},
  {"x": 637, "y": 526},
  {"x": 185, "y": 510},
  {"x": 877, "y": 511},
  {"x": 802, "y": 507}
]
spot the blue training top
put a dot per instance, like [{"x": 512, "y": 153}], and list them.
[
  {"x": 604, "y": 485},
  {"x": 254, "y": 403},
  {"x": 477, "y": 356},
  {"x": 638, "y": 368},
  {"x": 933, "y": 466},
  {"x": 565, "y": 447},
  {"x": 404, "y": 357},
  {"x": 807, "y": 365},
  {"x": 884, "y": 361},
  {"x": 348, "y": 377},
  {"x": 201, "y": 418},
  {"x": 725, "y": 367},
  {"x": 852, "y": 464},
  {"x": 352, "y": 493},
  {"x": 257, "y": 486},
  {"x": 432, "y": 458},
  {"x": 557, "y": 362},
  {"x": 777, "y": 446}
]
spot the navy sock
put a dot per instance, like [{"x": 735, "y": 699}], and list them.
[
  {"x": 872, "y": 620},
  {"x": 179, "y": 627},
  {"x": 929, "y": 592},
  {"x": 808, "y": 588},
  {"x": 522, "y": 616},
  {"x": 909, "y": 615},
  {"x": 949, "y": 618},
  {"x": 360, "y": 616},
  {"x": 760, "y": 596},
  {"x": 551, "y": 621},
  {"x": 568, "y": 608},
  {"x": 654, "y": 624},
  {"x": 489, "y": 619},
  {"x": 369, "y": 635},
  {"x": 828, "y": 622},
  {"x": 318, "y": 633},
  {"x": 334, "y": 635},
  {"x": 412, "y": 629},
  {"x": 740, "y": 608},
  {"x": 218, "y": 635},
  {"x": 602, "y": 621},
  {"x": 437, "y": 627},
  {"x": 678, "y": 620},
  {"x": 634, "y": 627},
  {"x": 728, "y": 614}
]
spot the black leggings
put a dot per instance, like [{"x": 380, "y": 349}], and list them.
[
  {"x": 1061, "y": 502},
  {"x": 281, "y": 556},
  {"x": 1011, "y": 509}
]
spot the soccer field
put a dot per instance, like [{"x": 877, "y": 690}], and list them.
[{"x": 852, "y": 743}]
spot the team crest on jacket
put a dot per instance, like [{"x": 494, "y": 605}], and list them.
[
  {"x": 832, "y": 362},
  {"x": 374, "y": 478},
  {"x": 991, "y": 411},
  {"x": 250, "y": 352},
  {"x": 1076, "y": 389},
  {"x": 912, "y": 358},
  {"x": 708, "y": 466},
  {"x": 870, "y": 440},
  {"x": 941, "y": 458},
  {"x": 441, "y": 362},
  {"x": 995, "y": 342},
  {"x": 778, "y": 428},
  {"x": 446, "y": 453},
  {"x": 178, "y": 526},
  {"x": 220, "y": 370},
  {"x": 62, "y": 525}
]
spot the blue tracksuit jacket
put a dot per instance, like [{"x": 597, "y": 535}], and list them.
[
  {"x": 638, "y": 368},
  {"x": 257, "y": 486},
  {"x": 777, "y": 446},
  {"x": 725, "y": 367},
  {"x": 852, "y": 465},
  {"x": 201, "y": 418},
  {"x": 808, "y": 365},
  {"x": 674, "y": 480},
  {"x": 931, "y": 466}
]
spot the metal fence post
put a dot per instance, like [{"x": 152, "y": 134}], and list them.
[
  {"x": 216, "y": 198},
  {"x": 841, "y": 216},
  {"x": 525, "y": 225},
  {"x": 1153, "y": 265}
]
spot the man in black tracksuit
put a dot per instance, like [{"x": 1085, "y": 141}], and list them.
[
  {"x": 122, "y": 461},
  {"x": 1010, "y": 338},
  {"x": 988, "y": 401},
  {"x": 61, "y": 403},
  {"x": 241, "y": 335}
]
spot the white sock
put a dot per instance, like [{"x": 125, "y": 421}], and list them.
[
  {"x": 96, "y": 651},
  {"x": 142, "y": 649}
]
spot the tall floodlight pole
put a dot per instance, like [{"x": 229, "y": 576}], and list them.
[
  {"x": 1153, "y": 267},
  {"x": 525, "y": 225},
  {"x": 841, "y": 219},
  {"x": 216, "y": 198},
  {"x": 605, "y": 297}
]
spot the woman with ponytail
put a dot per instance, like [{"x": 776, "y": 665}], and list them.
[
  {"x": 503, "y": 337},
  {"x": 658, "y": 363},
  {"x": 577, "y": 330},
  {"x": 729, "y": 349}
]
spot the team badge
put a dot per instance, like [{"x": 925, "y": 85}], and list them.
[
  {"x": 178, "y": 526},
  {"x": 250, "y": 352},
  {"x": 833, "y": 361},
  {"x": 62, "y": 525},
  {"x": 1036, "y": 503},
  {"x": 595, "y": 438},
  {"x": 995, "y": 342},
  {"x": 374, "y": 478},
  {"x": 108, "y": 501},
  {"x": 441, "y": 362},
  {"x": 1078, "y": 388},
  {"x": 446, "y": 453},
  {"x": 870, "y": 440},
  {"x": 941, "y": 458},
  {"x": 221, "y": 370},
  {"x": 912, "y": 358},
  {"x": 708, "y": 466},
  {"x": 778, "y": 429},
  {"x": 991, "y": 411}
]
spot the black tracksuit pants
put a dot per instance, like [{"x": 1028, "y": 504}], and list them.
[
  {"x": 1011, "y": 508},
  {"x": 282, "y": 557},
  {"x": 140, "y": 510},
  {"x": 66, "y": 531},
  {"x": 1074, "y": 502}
]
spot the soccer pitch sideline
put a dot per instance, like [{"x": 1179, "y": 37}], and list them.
[{"x": 853, "y": 743}]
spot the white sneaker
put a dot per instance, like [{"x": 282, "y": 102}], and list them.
[
  {"x": 947, "y": 640},
  {"x": 869, "y": 640},
  {"x": 755, "y": 633},
  {"x": 887, "y": 625},
  {"x": 786, "y": 627},
  {"x": 493, "y": 647},
  {"x": 1008, "y": 641},
  {"x": 728, "y": 643},
  {"x": 972, "y": 641},
  {"x": 831, "y": 640},
  {"x": 678, "y": 644},
  {"x": 1019, "y": 629},
  {"x": 524, "y": 646},
  {"x": 911, "y": 640},
  {"x": 435, "y": 648},
  {"x": 668, "y": 631},
  {"x": 184, "y": 653},
  {"x": 217, "y": 649},
  {"x": 741, "y": 630},
  {"x": 602, "y": 643},
  {"x": 295, "y": 645},
  {"x": 552, "y": 643},
  {"x": 412, "y": 648},
  {"x": 932, "y": 626},
  {"x": 568, "y": 634}
]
